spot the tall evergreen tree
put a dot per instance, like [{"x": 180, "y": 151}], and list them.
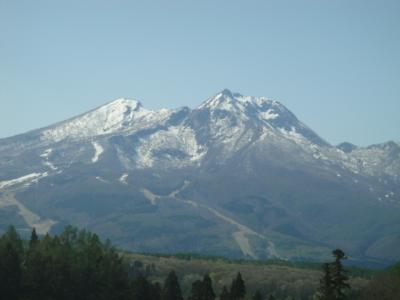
[
  {"x": 207, "y": 289},
  {"x": 10, "y": 264},
  {"x": 35, "y": 270},
  {"x": 339, "y": 277},
  {"x": 325, "y": 291},
  {"x": 141, "y": 289},
  {"x": 224, "y": 294},
  {"x": 155, "y": 291},
  {"x": 202, "y": 290},
  {"x": 34, "y": 239},
  {"x": 10, "y": 272},
  {"x": 334, "y": 282},
  {"x": 12, "y": 236},
  {"x": 238, "y": 288},
  {"x": 171, "y": 290},
  {"x": 196, "y": 293},
  {"x": 257, "y": 296}
]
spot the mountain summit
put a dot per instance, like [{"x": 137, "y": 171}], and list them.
[
  {"x": 116, "y": 116},
  {"x": 238, "y": 175},
  {"x": 261, "y": 111}
]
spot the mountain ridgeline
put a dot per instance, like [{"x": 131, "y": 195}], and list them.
[{"x": 238, "y": 176}]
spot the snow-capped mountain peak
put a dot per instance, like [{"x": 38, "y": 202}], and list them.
[
  {"x": 230, "y": 101},
  {"x": 247, "y": 107},
  {"x": 224, "y": 100},
  {"x": 260, "y": 111},
  {"x": 116, "y": 116},
  {"x": 122, "y": 103}
]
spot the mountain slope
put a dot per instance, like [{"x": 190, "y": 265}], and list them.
[{"x": 238, "y": 176}]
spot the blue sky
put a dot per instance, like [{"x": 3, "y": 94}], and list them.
[{"x": 335, "y": 64}]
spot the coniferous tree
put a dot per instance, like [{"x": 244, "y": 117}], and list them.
[
  {"x": 202, "y": 290},
  {"x": 238, "y": 288},
  {"x": 196, "y": 293},
  {"x": 35, "y": 269},
  {"x": 11, "y": 251},
  {"x": 224, "y": 294},
  {"x": 155, "y": 291},
  {"x": 34, "y": 239},
  {"x": 325, "y": 291},
  {"x": 207, "y": 289},
  {"x": 12, "y": 236},
  {"x": 141, "y": 289},
  {"x": 339, "y": 278},
  {"x": 43, "y": 279},
  {"x": 333, "y": 284},
  {"x": 171, "y": 290},
  {"x": 10, "y": 272},
  {"x": 75, "y": 265},
  {"x": 257, "y": 296}
]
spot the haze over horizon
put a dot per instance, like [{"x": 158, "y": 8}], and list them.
[{"x": 334, "y": 65}]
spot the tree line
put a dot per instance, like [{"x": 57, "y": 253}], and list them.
[{"x": 76, "y": 264}]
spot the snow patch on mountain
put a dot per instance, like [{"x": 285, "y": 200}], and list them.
[
  {"x": 292, "y": 135},
  {"x": 46, "y": 153},
  {"x": 269, "y": 115},
  {"x": 124, "y": 178},
  {"x": 150, "y": 196},
  {"x": 50, "y": 165},
  {"x": 176, "y": 145},
  {"x": 98, "y": 150},
  {"x": 26, "y": 179},
  {"x": 46, "y": 157},
  {"x": 101, "y": 179}
]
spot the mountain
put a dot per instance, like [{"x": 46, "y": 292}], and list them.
[{"x": 238, "y": 176}]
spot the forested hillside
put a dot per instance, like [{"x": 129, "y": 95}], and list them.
[{"x": 78, "y": 265}]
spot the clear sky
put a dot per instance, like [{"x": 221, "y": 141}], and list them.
[{"x": 335, "y": 64}]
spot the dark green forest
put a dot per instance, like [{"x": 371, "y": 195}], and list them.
[{"x": 76, "y": 264}]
